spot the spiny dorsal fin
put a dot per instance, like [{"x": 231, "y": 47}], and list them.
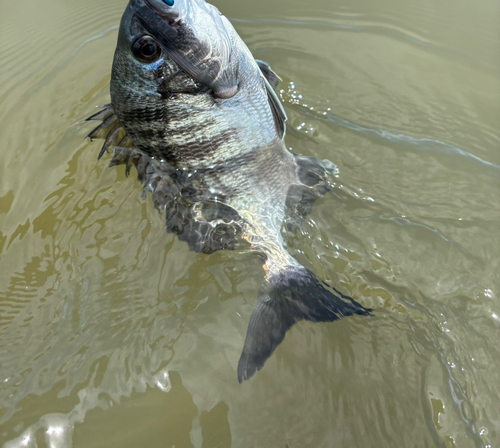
[
  {"x": 111, "y": 130},
  {"x": 105, "y": 112}
]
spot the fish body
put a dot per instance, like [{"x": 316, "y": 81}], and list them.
[{"x": 197, "y": 116}]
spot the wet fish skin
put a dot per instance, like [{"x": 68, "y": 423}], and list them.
[{"x": 205, "y": 131}]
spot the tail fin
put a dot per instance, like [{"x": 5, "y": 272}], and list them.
[{"x": 293, "y": 296}]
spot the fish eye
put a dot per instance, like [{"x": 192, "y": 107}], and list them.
[
  {"x": 169, "y": 2},
  {"x": 146, "y": 49}
]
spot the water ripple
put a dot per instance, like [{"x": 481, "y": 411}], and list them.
[
  {"x": 315, "y": 24},
  {"x": 423, "y": 144}
]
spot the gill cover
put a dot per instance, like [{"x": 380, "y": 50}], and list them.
[{"x": 197, "y": 37}]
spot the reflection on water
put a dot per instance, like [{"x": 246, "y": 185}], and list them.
[{"x": 113, "y": 334}]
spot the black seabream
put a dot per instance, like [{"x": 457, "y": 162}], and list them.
[{"x": 198, "y": 117}]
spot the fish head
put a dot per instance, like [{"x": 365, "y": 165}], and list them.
[
  {"x": 190, "y": 36},
  {"x": 181, "y": 72}
]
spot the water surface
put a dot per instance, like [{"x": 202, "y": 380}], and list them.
[{"x": 113, "y": 334}]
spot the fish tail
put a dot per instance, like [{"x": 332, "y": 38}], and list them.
[{"x": 292, "y": 296}]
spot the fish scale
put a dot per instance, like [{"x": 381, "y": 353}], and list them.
[{"x": 205, "y": 131}]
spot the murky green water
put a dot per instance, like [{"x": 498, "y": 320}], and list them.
[{"x": 113, "y": 334}]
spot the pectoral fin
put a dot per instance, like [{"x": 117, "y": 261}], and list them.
[
  {"x": 277, "y": 109},
  {"x": 273, "y": 79}
]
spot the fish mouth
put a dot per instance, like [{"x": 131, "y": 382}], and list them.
[{"x": 185, "y": 10}]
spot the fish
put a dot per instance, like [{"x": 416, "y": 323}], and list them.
[{"x": 198, "y": 117}]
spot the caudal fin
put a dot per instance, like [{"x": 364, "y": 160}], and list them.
[{"x": 293, "y": 296}]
